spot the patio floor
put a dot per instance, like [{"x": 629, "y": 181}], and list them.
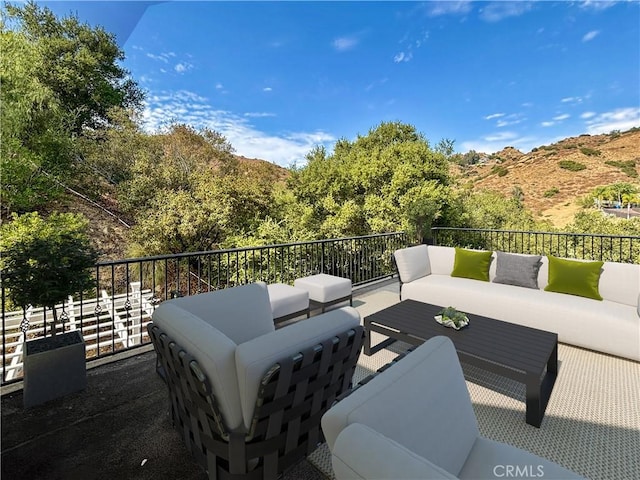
[{"x": 119, "y": 427}]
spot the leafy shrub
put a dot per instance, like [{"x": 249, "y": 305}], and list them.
[
  {"x": 614, "y": 134},
  {"x": 551, "y": 192},
  {"x": 499, "y": 170},
  {"x": 627, "y": 167},
  {"x": 571, "y": 165},
  {"x": 590, "y": 152}
]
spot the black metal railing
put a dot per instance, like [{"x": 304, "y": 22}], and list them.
[
  {"x": 113, "y": 316},
  {"x": 589, "y": 246}
]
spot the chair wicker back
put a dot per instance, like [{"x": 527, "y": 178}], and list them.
[{"x": 294, "y": 394}]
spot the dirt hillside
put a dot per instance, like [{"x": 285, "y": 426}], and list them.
[{"x": 551, "y": 191}]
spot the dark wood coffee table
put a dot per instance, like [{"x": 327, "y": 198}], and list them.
[{"x": 524, "y": 354}]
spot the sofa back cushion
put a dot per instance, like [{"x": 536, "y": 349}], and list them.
[
  {"x": 412, "y": 263},
  {"x": 421, "y": 402},
  {"x": 214, "y": 351},
  {"x": 255, "y": 357},
  {"x": 620, "y": 282},
  {"x": 441, "y": 259},
  {"x": 242, "y": 313}
]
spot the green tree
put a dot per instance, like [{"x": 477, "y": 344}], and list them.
[
  {"x": 491, "y": 210},
  {"x": 34, "y": 146},
  {"x": 60, "y": 78},
  {"x": 389, "y": 179},
  {"x": 43, "y": 261},
  {"x": 79, "y": 63}
]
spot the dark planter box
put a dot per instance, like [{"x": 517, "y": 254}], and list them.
[{"x": 54, "y": 367}]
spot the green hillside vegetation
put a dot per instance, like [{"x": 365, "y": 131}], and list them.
[{"x": 183, "y": 189}]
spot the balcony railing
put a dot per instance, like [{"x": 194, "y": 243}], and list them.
[
  {"x": 611, "y": 248},
  {"x": 113, "y": 316}
]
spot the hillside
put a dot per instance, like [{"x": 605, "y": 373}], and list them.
[
  {"x": 550, "y": 191},
  {"x": 109, "y": 232}
]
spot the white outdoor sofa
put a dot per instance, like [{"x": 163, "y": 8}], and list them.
[
  {"x": 416, "y": 421},
  {"x": 611, "y": 325}
]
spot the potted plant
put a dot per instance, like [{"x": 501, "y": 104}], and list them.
[
  {"x": 43, "y": 262},
  {"x": 450, "y": 317}
]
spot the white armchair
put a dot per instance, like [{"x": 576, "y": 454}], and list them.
[
  {"x": 248, "y": 398},
  {"x": 415, "y": 420}
]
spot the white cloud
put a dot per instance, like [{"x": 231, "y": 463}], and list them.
[
  {"x": 259, "y": 114},
  {"x": 497, "y": 141},
  {"x": 345, "y": 43},
  {"x": 561, "y": 117},
  {"x": 496, "y": 11},
  {"x": 619, "y": 119},
  {"x": 403, "y": 57},
  {"x": 219, "y": 86},
  {"x": 267, "y": 89},
  {"x": 182, "y": 67},
  {"x": 461, "y": 7},
  {"x": 598, "y": 4},
  {"x": 590, "y": 35},
  {"x": 548, "y": 124},
  {"x": 188, "y": 107},
  {"x": 162, "y": 57},
  {"x": 494, "y": 115},
  {"x": 587, "y": 115},
  {"x": 501, "y": 137}
]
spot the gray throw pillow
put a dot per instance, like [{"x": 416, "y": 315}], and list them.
[{"x": 516, "y": 269}]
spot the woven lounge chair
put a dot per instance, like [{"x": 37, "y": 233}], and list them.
[{"x": 246, "y": 398}]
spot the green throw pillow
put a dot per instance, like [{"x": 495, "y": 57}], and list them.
[
  {"x": 471, "y": 264},
  {"x": 574, "y": 278}
]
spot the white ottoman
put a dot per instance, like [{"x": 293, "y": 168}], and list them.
[
  {"x": 325, "y": 290},
  {"x": 287, "y": 302}
]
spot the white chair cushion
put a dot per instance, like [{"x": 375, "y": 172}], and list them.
[
  {"x": 490, "y": 459},
  {"x": 412, "y": 262},
  {"x": 286, "y": 299},
  {"x": 214, "y": 351},
  {"x": 324, "y": 288},
  {"x": 362, "y": 453},
  {"x": 241, "y": 313},
  {"x": 255, "y": 357},
  {"x": 421, "y": 402}
]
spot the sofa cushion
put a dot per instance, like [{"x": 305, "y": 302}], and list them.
[
  {"x": 360, "y": 452},
  {"x": 574, "y": 277},
  {"x": 254, "y": 358},
  {"x": 620, "y": 282},
  {"x": 214, "y": 351},
  {"x": 442, "y": 425},
  {"x": 517, "y": 269},
  {"x": 241, "y": 313},
  {"x": 472, "y": 264},
  {"x": 577, "y": 320},
  {"x": 412, "y": 262},
  {"x": 441, "y": 259}
]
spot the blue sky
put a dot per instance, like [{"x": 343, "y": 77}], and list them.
[{"x": 277, "y": 78}]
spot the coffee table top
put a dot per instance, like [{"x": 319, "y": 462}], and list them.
[{"x": 508, "y": 345}]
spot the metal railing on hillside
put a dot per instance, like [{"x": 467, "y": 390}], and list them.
[
  {"x": 589, "y": 246},
  {"x": 113, "y": 316}
]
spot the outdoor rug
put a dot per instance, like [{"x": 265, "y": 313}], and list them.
[{"x": 592, "y": 422}]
